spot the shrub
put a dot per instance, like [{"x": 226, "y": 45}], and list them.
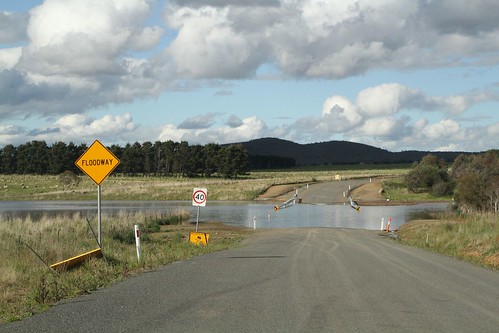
[
  {"x": 440, "y": 189},
  {"x": 477, "y": 181},
  {"x": 67, "y": 179},
  {"x": 430, "y": 175}
]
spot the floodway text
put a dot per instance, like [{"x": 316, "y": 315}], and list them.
[{"x": 97, "y": 162}]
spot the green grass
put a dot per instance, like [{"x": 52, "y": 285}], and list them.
[
  {"x": 396, "y": 190},
  {"x": 28, "y": 286},
  {"x": 119, "y": 187},
  {"x": 471, "y": 238}
]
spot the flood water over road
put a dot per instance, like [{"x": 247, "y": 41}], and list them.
[{"x": 247, "y": 214}]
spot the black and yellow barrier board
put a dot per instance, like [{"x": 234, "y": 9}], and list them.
[
  {"x": 199, "y": 238},
  {"x": 78, "y": 260}
]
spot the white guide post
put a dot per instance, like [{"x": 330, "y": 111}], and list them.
[{"x": 137, "y": 241}]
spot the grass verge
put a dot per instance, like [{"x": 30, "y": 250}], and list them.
[
  {"x": 119, "y": 187},
  {"x": 471, "y": 238},
  {"x": 395, "y": 189},
  {"x": 28, "y": 286}
]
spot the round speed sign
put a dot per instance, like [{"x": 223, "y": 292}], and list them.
[{"x": 199, "y": 197}]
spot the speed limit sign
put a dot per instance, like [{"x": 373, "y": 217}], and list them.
[{"x": 199, "y": 197}]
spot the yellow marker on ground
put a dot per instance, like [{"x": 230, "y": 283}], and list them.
[
  {"x": 199, "y": 238},
  {"x": 78, "y": 260}
]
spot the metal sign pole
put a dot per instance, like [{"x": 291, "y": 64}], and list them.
[
  {"x": 197, "y": 220},
  {"x": 99, "y": 229},
  {"x": 97, "y": 162}
]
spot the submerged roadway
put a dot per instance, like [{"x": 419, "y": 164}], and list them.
[{"x": 291, "y": 280}]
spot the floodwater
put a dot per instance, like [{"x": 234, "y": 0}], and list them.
[{"x": 247, "y": 214}]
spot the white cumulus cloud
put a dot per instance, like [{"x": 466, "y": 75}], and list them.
[
  {"x": 384, "y": 99},
  {"x": 446, "y": 128},
  {"x": 246, "y": 129},
  {"x": 71, "y": 57},
  {"x": 340, "y": 114},
  {"x": 9, "y": 57}
]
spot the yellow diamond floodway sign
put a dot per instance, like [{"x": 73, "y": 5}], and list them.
[{"x": 97, "y": 162}]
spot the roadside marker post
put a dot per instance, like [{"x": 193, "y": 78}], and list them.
[
  {"x": 254, "y": 222},
  {"x": 382, "y": 223},
  {"x": 388, "y": 224},
  {"x": 137, "y": 241}
]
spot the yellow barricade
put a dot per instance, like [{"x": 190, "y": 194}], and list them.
[{"x": 199, "y": 238}]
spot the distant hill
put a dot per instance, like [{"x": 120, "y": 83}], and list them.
[{"x": 328, "y": 153}]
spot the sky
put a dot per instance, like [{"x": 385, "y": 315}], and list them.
[{"x": 395, "y": 74}]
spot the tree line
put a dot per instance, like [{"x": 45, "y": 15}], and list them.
[
  {"x": 473, "y": 180},
  {"x": 166, "y": 158}
]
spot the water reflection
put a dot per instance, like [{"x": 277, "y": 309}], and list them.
[
  {"x": 232, "y": 213},
  {"x": 331, "y": 216}
]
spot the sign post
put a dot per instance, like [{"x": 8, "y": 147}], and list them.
[
  {"x": 199, "y": 196},
  {"x": 97, "y": 162},
  {"x": 99, "y": 214}
]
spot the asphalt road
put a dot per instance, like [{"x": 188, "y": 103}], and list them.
[
  {"x": 329, "y": 192},
  {"x": 292, "y": 280}
]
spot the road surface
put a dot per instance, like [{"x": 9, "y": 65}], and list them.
[
  {"x": 291, "y": 280},
  {"x": 329, "y": 192}
]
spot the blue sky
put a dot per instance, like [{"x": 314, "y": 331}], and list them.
[{"x": 395, "y": 74}]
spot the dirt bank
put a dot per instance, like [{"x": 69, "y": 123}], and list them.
[{"x": 369, "y": 193}]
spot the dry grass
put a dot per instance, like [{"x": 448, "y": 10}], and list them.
[
  {"x": 28, "y": 286},
  {"x": 474, "y": 239},
  {"x": 118, "y": 187}
]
